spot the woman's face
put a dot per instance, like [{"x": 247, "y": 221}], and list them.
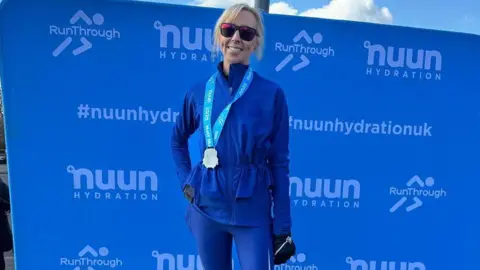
[{"x": 238, "y": 39}]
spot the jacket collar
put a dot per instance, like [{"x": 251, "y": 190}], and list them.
[{"x": 235, "y": 76}]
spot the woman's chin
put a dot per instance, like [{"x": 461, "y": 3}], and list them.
[{"x": 234, "y": 59}]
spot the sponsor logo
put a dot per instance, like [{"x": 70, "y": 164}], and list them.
[
  {"x": 297, "y": 262},
  {"x": 110, "y": 184},
  {"x": 324, "y": 193},
  {"x": 184, "y": 43},
  {"x": 404, "y": 63},
  {"x": 311, "y": 48},
  {"x": 168, "y": 261},
  {"x": 92, "y": 28},
  {"x": 92, "y": 259},
  {"x": 384, "y": 265},
  {"x": 412, "y": 194}
]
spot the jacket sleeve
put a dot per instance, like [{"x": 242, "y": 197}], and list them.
[
  {"x": 279, "y": 163},
  {"x": 185, "y": 125}
]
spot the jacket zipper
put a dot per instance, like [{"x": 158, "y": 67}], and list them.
[{"x": 230, "y": 176}]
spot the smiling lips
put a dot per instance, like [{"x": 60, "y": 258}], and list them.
[{"x": 234, "y": 49}]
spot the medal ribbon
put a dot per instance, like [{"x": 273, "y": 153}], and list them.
[{"x": 211, "y": 136}]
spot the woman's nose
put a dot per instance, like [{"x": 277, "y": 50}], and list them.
[{"x": 236, "y": 36}]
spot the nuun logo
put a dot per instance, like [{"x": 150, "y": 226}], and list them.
[
  {"x": 91, "y": 259},
  {"x": 405, "y": 63},
  {"x": 297, "y": 262},
  {"x": 325, "y": 193},
  {"x": 383, "y": 265},
  {"x": 113, "y": 184},
  {"x": 302, "y": 50},
  {"x": 167, "y": 261},
  {"x": 176, "y": 44},
  {"x": 92, "y": 29},
  {"x": 416, "y": 188}
]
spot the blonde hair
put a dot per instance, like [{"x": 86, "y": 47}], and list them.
[{"x": 228, "y": 16}]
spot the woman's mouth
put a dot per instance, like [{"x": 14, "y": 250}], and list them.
[{"x": 234, "y": 49}]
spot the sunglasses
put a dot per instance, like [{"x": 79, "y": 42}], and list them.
[{"x": 246, "y": 33}]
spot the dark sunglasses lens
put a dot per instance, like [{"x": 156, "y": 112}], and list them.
[
  {"x": 247, "y": 34},
  {"x": 227, "y": 30}
]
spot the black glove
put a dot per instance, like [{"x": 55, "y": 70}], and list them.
[
  {"x": 283, "y": 249},
  {"x": 189, "y": 192}
]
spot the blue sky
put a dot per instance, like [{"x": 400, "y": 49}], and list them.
[{"x": 459, "y": 15}]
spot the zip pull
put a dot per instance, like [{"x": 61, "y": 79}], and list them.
[{"x": 287, "y": 241}]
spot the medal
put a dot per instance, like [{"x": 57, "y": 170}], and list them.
[{"x": 210, "y": 158}]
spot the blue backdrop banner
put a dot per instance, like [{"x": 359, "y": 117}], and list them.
[{"x": 384, "y": 127}]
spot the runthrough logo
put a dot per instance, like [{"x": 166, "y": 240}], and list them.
[
  {"x": 405, "y": 63},
  {"x": 167, "y": 261},
  {"x": 92, "y": 29},
  {"x": 423, "y": 189},
  {"x": 113, "y": 184},
  {"x": 297, "y": 262},
  {"x": 325, "y": 193},
  {"x": 91, "y": 259},
  {"x": 176, "y": 44},
  {"x": 383, "y": 265},
  {"x": 302, "y": 50}
]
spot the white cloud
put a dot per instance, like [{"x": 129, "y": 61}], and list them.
[
  {"x": 283, "y": 8},
  {"x": 352, "y": 10},
  {"x": 220, "y": 3}
]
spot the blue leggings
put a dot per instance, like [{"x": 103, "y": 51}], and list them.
[{"x": 214, "y": 240}]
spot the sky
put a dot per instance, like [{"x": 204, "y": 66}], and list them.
[{"x": 458, "y": 16}]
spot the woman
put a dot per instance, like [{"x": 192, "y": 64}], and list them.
[
  {"x": 6, "y": 241},
  {"x": 245, "y": 168}
]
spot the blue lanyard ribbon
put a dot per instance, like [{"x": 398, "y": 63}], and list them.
[{"x": 211, "y": 137}]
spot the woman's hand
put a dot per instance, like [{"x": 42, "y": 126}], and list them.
[
  {"x": 189, "y": 193},
  {"x": 283, "y": 248}
]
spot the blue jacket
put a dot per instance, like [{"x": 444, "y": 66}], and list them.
[{"x": 253, "y": 151}]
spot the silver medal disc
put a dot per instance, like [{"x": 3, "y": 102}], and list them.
[{"x": 210, "y": 158}]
